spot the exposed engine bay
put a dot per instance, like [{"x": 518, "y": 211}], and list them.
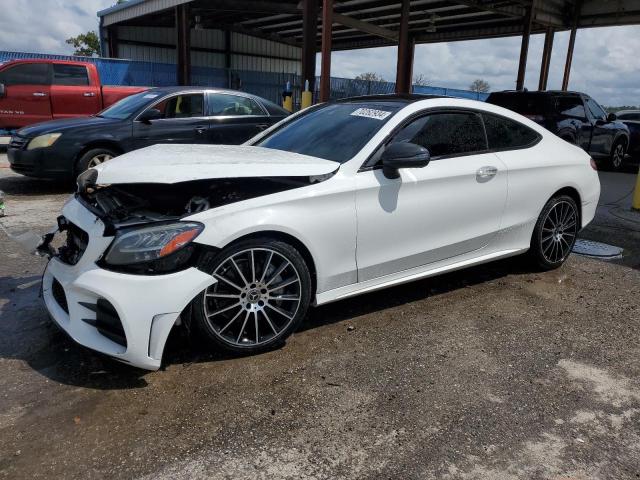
[{"x": 125, "y": 205}]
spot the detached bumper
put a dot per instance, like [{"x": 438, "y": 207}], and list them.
[{"x": 127, "y": 317}]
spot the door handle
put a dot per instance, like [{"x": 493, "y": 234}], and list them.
[
  {"x": 486, "y": 173},
  {"x": 89, "y": 94},
  {"x": 39, "y": 94},
  {"x": 200, "y": 129},
  {"x": 262, "y": 126}
]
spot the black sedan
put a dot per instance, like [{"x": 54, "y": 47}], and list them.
[{"x": 64, "y": 148}]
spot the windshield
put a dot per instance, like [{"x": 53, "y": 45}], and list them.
[
  {"x": 334, "y": 132},
  {"x": 128, "y": 106}
]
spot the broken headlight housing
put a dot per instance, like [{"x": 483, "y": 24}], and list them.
[{"x": 151, "y": 243}]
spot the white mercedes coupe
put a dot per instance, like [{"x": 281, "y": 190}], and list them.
[{"x": 340, "y": 199}]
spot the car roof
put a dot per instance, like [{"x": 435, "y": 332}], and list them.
[
  {"x": 392, "y": 97},
  {"x": 170, "y": 90}
]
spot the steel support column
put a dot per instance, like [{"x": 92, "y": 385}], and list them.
[
  {"x": 524, "y": 47},
  {"x": 572, "y": 44},
  {"x": 309, "y": 30},
  {"x": 404, "y": 68},
  {"x": 546, "y": 58},
  {"x": 325, "y": 64},
  {"x": 112, "y": 39},
  {"x": 183, "y": 44}
]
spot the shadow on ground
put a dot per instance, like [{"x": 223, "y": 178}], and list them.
[
  {"x": 25, "y": 186},
  {"x": 28, "y": 334}
]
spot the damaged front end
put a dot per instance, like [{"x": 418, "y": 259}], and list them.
[{"x": 147, "y": 220}]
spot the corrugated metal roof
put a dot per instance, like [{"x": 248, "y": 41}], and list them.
[{"x": 430, "y": 21}]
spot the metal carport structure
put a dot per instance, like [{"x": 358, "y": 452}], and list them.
[{"x": 312, "y": 26}]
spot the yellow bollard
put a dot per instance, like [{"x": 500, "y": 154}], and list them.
[
  {"x": 287, "y": 98},
  {"x": 287, "y": 103},
  {"x": 635, "y": 204},
  {"x": 306, "y": 98}
]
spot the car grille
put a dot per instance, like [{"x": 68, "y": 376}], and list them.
[
  {"x": 76, "y": 243},
  {"x": 18, "y": 143}
]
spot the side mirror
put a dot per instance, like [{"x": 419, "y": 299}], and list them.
[
  {"x": 3, "y": 90},
  {"x": 403, "y": 155},
  {"x": 149, "y": 115},
  {"x": 612, "y": 117}
]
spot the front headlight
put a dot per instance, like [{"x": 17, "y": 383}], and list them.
[
  {"x": 43, "y": 141},
  {"x": 146, "y": 244}
]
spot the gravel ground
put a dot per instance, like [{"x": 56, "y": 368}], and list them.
[{"x": 490, "y": 373}]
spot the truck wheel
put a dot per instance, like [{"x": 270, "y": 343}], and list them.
[
  {"x": 262, "y": 293},
  {"x": 616, "y": 158},
  {"x": 93, "y": 158}
]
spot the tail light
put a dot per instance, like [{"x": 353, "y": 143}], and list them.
[{"x": 593, "y": 164}]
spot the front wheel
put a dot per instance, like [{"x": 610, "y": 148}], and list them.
[
  {"x": 555, "y": 232},
  {"x": 93, "y": 158},
  {"x": 262, "y": 293}
]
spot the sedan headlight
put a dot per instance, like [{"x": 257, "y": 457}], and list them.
[
  {"x": 146, "y": 244},
  {"x": 43, "y": 141}
]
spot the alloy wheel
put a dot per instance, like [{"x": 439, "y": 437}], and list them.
[
  {"x": 559, "y": 232},
  {"x": 618, "y": 156},
  {"x": 98, "y": 159},
  {"x": 256, "y": 297}
]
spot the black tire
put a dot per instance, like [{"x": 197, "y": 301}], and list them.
[
  {"x": 616, "y": 157},
  {"x": 555, "y": 233},
  {"x": 92, "y": 157},
  {"x": 264, "y": 315}
]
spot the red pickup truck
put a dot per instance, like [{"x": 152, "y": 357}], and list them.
[{"x": 33, "y": 91}]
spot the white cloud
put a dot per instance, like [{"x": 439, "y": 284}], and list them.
[
  {"x": 41, "y": 26},
  {"x": 606, "y": 63}
]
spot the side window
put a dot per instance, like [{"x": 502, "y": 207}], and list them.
[
  {"x": 571, "y": 107},
  {"x": 445, "y": 134},
  {"x": 233, "y": 105},
  {"x": 73, "y": 75},
  {"x": 26, "y": 74},
  {"x": 182, "y": 106},
  {"x": 596, "y": 111},
  {"x": 504, "y": 133}
]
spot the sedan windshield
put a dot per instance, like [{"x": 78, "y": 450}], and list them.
[
  {"x": 334, "y": 132},
  {"x": 128, "y": 106}
]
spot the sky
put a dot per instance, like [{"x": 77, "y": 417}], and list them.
[{"x": 606, "y": 61}]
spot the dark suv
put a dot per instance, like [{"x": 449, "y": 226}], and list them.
[{"x": 575, "y": 117}]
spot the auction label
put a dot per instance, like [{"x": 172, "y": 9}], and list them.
[{"x": 371, "y": 113}]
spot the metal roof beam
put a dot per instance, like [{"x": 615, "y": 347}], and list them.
[{"x": 365, "y": 27}]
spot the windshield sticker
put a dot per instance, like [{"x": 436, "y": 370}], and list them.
[
  {"x": 150, "y": 95},
  {"x": 371, "y": 113}
]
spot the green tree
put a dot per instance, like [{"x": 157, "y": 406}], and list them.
[
  {"x": 85, "y": 44},
  {"x": 480, "y": 86}
]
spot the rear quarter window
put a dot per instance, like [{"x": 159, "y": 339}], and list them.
[{"x": 506, "y": 134}]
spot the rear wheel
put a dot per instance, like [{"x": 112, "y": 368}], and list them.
[
  {"x": 616, "y": 158},
  {"x": 555, "y": 232},
  {"x": 93, "y": 158},
  {"x": 262, "y": 293}
]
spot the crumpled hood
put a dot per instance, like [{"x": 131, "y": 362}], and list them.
[{"x": 182, "y": 163}]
